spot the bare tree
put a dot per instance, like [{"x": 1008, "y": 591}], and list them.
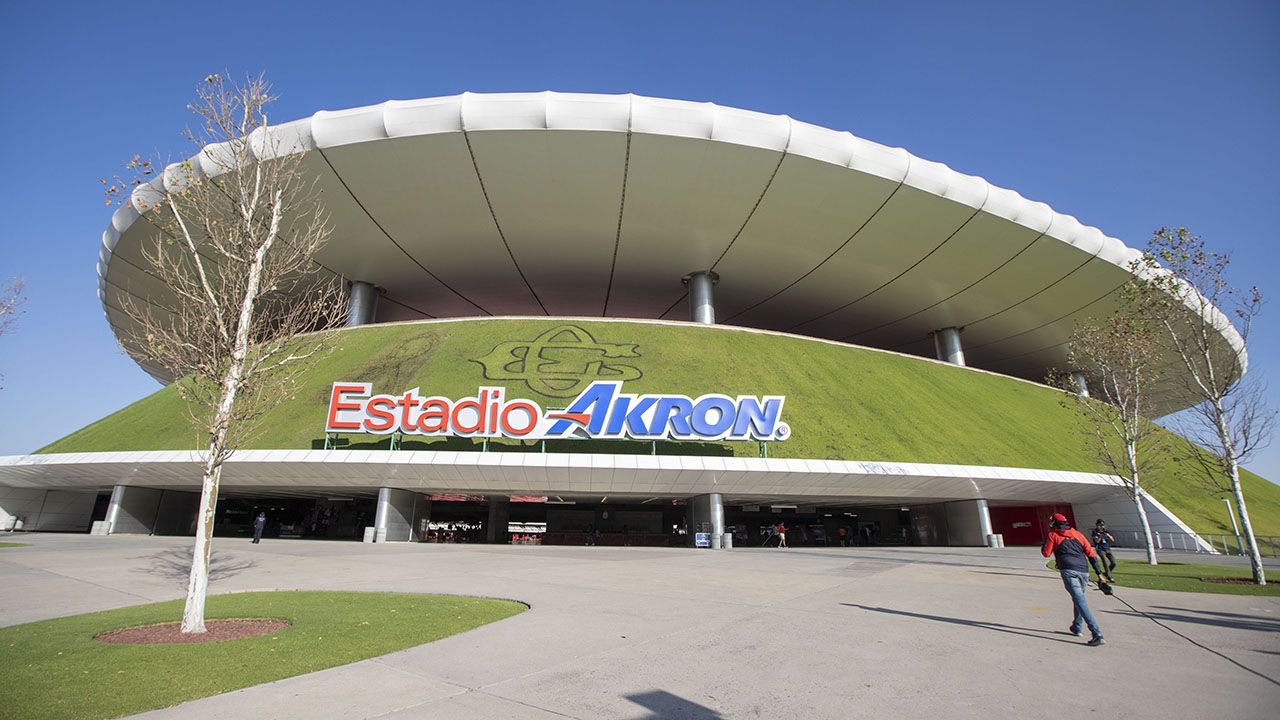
[
  {"x": 239, "y": 299},
  {"x": 1119, "y": 356},
  {"x": 1199, "y": 313},
  {"x": 12, "y": 300}
]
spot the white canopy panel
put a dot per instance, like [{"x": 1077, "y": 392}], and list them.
[
  {"x": 597, "y": 205},
  {"x": 316, "y": 472}
]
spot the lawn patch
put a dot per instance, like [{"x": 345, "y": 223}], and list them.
[
  {"x": 1188, "y": 577},
  {"x": 56, "y": 669}
]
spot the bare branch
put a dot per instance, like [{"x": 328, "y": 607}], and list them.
[
  {"x": 242, "y": 303},
  {"x": 1188, "y": 295},
  {"x": 12, "y": 301}
]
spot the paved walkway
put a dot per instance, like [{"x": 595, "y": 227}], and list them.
[{"x": 670, "y": 633}]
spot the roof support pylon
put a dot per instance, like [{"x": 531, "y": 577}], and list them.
[
  {"x": 362, "y": 304},
  {"x": 702, "y": 304},
  {"x": 946, "y": 342}
]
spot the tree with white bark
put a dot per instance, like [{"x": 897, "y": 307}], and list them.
[
  {"x": 1196, "y": 307},
  {"x": 235, "y": 304},
  {"x": 1120, "y": 359},
  {"x": 13, "y": 300}
]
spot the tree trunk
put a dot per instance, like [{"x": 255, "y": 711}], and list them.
[
  {"x": 198, "y": 581},
  {"x": 1255, "y": 559},
  {"x": 1233, "y": 473},
  {"x": 1146, "y": 527}
]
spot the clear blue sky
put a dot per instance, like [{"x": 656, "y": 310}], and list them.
[{"x": 1127, "y": 115}]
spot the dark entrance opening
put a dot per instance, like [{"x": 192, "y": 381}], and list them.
[
  {"x": 814, "y": 526},
  {"x": 639, "y": 522},
  {"x": 454, "y": 519},
  {"x": 555, "y": 520},
  {"x": 331, "y": 518}
]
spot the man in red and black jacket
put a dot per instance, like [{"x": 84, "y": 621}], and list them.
[{"x": 1071, "y": 551}]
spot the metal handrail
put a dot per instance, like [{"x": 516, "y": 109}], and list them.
[{"x": 1268, "y": 545}]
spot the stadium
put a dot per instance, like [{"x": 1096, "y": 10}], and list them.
[{"x": 618, "y": 319}]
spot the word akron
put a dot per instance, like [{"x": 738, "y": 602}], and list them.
[{"x": 602, "y": 410}]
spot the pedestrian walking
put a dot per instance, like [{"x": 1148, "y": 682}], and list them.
[
  {"x": 259, "y": 524},
  {"x": 843, "y": 532},
  {"x": 1102, "y": 543},
  {"x": 782, "y": 535},
  {"x": 1071, "y": 551}
]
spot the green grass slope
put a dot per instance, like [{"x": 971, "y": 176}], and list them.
[{"x": 842, "y": 402}]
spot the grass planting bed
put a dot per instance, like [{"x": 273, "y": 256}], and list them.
[
  {"x": 1191, "y": 577},
  {"x": 1187, "y": 577},
  {"x": 57, "y": 669}
]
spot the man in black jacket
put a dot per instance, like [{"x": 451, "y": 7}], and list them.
[{"x": 1102, "y": 542}]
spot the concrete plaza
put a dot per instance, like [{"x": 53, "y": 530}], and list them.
[{"x": 674, "y": 633}]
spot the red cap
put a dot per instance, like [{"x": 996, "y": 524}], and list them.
[{"x": 1058, "y": 517}]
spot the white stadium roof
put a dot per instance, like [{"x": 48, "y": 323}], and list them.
[{"x": 597, "y": 205}]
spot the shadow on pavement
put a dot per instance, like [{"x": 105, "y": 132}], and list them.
[
  {"x": 997, "y": 627},
  {"x": 1018, "y": 574},
  {"x": 1235, "y": 621},
  {"x": 879, "y": 554},
  {"x": 175, "y": 564},
  {"x": 1162, "y": 618},
  {"x": 1219, "y": 618},
  {"x": 663, "y": 704}
]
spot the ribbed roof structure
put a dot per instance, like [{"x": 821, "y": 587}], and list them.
[{"x": 597, "y": 205}]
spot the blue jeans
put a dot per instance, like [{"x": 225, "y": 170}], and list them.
[{"x": 1077, "y": 582}]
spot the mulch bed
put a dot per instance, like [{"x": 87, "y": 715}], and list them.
[
  {"x": 1228, "y": 581},
  {"x": 217, "y": 631}
]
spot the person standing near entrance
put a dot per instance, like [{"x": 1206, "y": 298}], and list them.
[
  {"x": 259, "y": 524},
  {"x": 782, "y": 534},
  {"x": 1071, "y": 551},
  {"x": 1102, "y": 542}
]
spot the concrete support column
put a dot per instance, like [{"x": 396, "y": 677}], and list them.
[
  {"x": 113, "y": 507},
  {"x": 706, "y": 514},
  {"x": 499, "y": 517},
  {"x": 984, "y": 518},
  {"x": 393, "y": 515},
  {"x": 133, "y": 510},
  {"x": 1082, "y": 387},
  {"x": 702, "y": 304},
  {"x": 946, "y": 342},
  {"x": 717, "y": 520},
  {"x": 362, "y": 304}
]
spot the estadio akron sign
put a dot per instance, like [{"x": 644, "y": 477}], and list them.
[{"x": 601, "y": 411}]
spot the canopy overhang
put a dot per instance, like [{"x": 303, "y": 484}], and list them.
[
  {"x": 314, "y": 473},
  {"x": 538, "y": 204}
]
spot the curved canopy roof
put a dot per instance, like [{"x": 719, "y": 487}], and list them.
[{"x": 577, "y": 204}]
